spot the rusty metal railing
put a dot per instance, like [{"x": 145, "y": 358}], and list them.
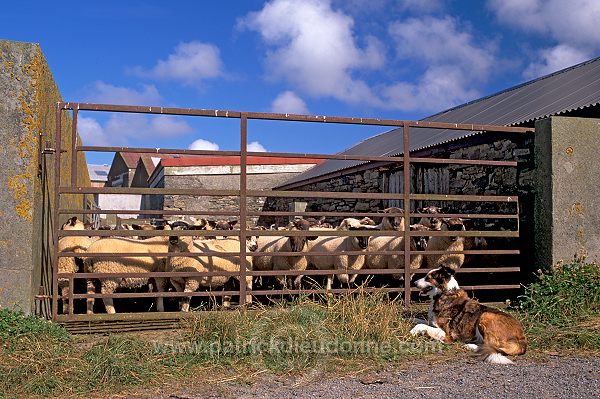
[{"x": 243, "y": 193}]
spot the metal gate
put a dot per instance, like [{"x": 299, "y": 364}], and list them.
[{"x": 403, "y": 196}]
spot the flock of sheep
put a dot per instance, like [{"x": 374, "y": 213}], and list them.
[{"x": 312, "y": 253}]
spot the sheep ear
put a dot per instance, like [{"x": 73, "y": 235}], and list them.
[
  {"x": 136, "y": 226},
  {"x": 73, "y": 220},
  {"x": 211, "y": 223},
  {"x": 420, "y": 210},
  {"x": 233, "y": 223}
]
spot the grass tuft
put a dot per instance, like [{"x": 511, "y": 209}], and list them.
[{"x": 562, "y": 309}]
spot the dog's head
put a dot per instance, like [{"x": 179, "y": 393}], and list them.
[{"x": 437, "y": 281}]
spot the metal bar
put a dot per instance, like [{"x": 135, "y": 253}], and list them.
[
  {"x": 319, "y": 194},
  {"x": 74, "y": 150},
  {"x": 291, "y": 117},
  {"x": 406, "y": 199},
  {"x": 281, "y": 194},
  {"x": 243, "y": 205},
  {"x": 464, "y": 215},
  {"x": 106, "y": 255},
  {"x": 156, "y": 294},
  {"x": 304, "y": 156},
  {"x": 283, "y": 213},
  {"x": 477, "y": 198},
  {"x": 324, "y": 291},
  {"x": 288, "y": 233},
  {"x": 463, "y": 161},
  {"x": 148, "y": 190},
  {"x": 148, "y": 212},
  {"x": 150, "y": 233},
  {"x": 56, "y": 223}
]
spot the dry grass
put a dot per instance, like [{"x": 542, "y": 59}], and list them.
[{"x": 306, "y": 338}]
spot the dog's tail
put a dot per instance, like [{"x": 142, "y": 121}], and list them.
[{"x": 490, "y": 354}]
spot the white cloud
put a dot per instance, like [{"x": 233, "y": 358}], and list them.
[
  {"x": 202, "y": 144},
  {"x": 289, "y": 103},
  {"x": 554, "y": 59},
  {"x": 91, "y": 132},
  {"x": 255, "y": 146},
  {"x": 439, "y": 88},
  {"x": 105, "y": 93},
  {"x": 122, "y": 129},
  {"x": 573, "y": 22},
  {"x": 313, "y": 47},
  {"x": 190, "y": 63},
  {"x": 454, "y": 64}
]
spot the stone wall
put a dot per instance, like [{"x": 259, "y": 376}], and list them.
[
  {"x": 566, "y": 207},
  {"x": 426, "y": 179},
  {"x": 262, "y": 181},
  {"x": 27, "y": 118},
  {"x": 448, "y": 179}
]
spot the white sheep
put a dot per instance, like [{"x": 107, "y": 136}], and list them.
[
  {"x": 144, "y": 264},
  {"x": 392, "y": 223},
  {"x": 284, "y": 244},
  {"x": 447, "y": 243},
  {"x": 338, "y": 262},
  {"x": 391, "y": 261},
  {"x": 206, "y": 263},
  {"x": 77, "y": 244}
]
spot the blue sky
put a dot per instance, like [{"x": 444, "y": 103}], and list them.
[{"x": 400, "y": 59}]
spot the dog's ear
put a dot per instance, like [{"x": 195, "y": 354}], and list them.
[{"x": 447, "y": 270}]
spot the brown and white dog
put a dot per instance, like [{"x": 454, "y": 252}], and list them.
[{"x": 453, "y": 316}]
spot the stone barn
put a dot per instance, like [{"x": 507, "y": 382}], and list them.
[
  {"x": 563, "y": 107},
  {"x": 219, "y": 173}
]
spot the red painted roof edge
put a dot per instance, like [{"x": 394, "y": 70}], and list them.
[{"x": 235, "y": 160}]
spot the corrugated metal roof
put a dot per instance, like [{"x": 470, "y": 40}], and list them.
[{"x": 561, "y": 92}]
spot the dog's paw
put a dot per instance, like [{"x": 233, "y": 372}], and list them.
[
  {"x": 471, "y": 347},
  {"x": 419, "y": 329}
]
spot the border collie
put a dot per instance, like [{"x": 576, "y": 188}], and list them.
[{"x": 453, "y": 316}]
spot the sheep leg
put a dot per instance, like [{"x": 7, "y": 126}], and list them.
[
  {"x": 282, "y": 280},
  {"x": 298, "y": 282},
  {"x": 64, "y": 292},
  {"x": 191, "y": 285},
  {"x": 249, "y": 287},
  {"x": 352, "y": 279},
  {"x": 328, "y": 284},
  {"x": 108, "y": 287},
  {"x": 179, "y": 288},
  {"x": 161, "y": 284},
  {"x": 91, "y": 289}
]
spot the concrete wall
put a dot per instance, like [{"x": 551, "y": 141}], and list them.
[
  {"x": 27, "y": 117},
  {"x": 568, "y": 178}
]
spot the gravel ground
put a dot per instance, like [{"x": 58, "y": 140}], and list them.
[{"x": 463, "y": 377}]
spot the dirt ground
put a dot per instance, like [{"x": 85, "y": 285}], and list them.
[{"x": 547, "y": 376}]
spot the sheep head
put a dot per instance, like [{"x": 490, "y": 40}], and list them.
[
  {"x": 453, "y": 224},
  {"x": 298, "y": 243},
  {"x": 73, "y": 224},
  {"x": 361, "y": 241},
  {"x": 393, "y": 223}
]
